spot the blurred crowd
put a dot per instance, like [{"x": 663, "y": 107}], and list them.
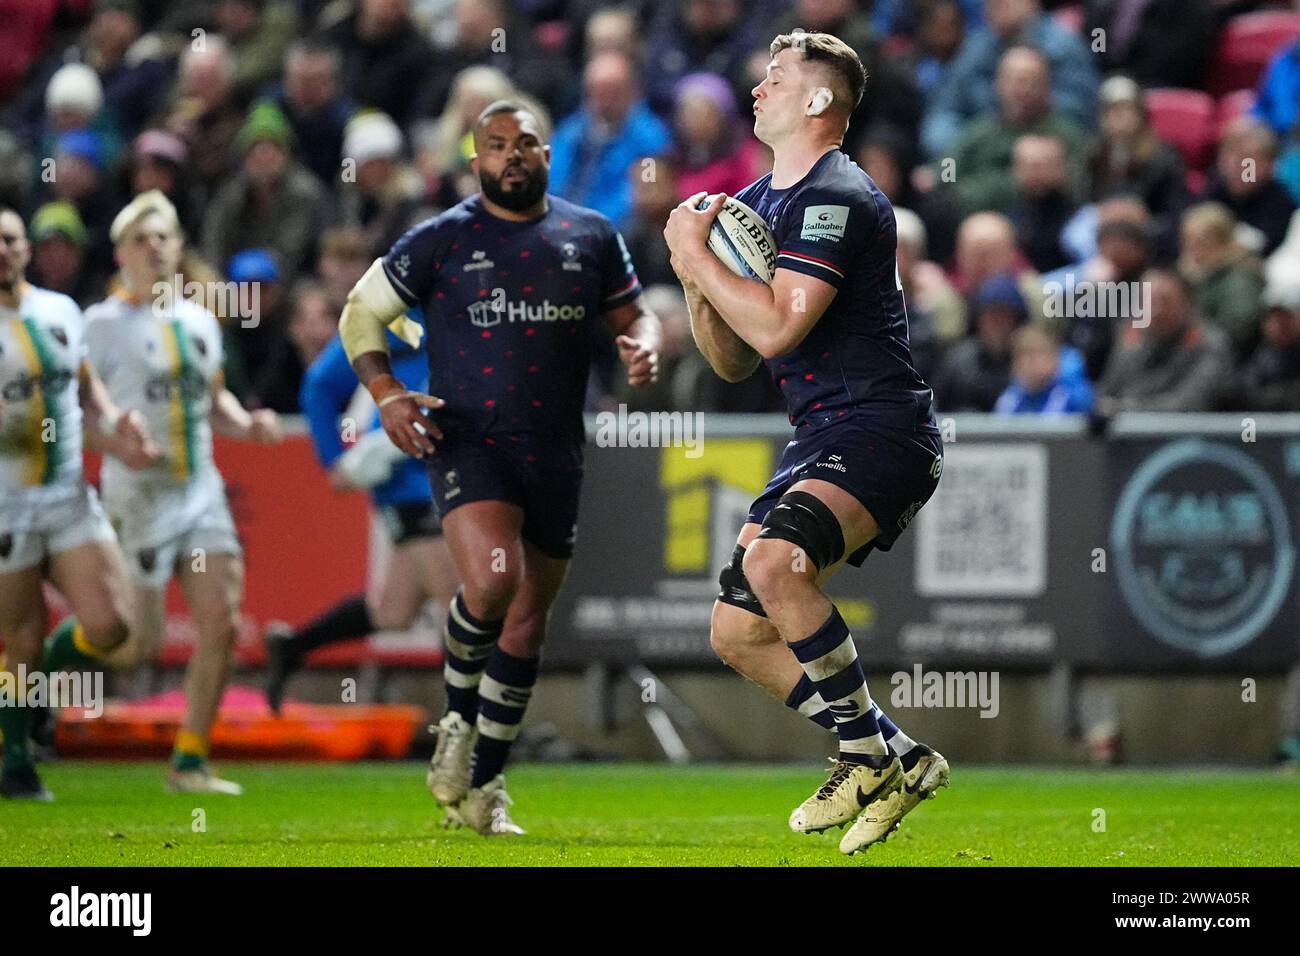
[{"x": 1060, "y": 248}]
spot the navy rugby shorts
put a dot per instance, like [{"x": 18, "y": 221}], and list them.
[
  {"x": 892, "y": 472},
  {"x": 468, "y": 468}
]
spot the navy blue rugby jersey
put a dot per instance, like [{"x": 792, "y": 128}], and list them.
[
  {"x": 836, "y": 225},
  {"x": 510, "y": 311}
]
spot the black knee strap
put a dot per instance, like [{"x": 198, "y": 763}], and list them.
[
  {"x": 735, "y": 588},
  {"x": 806, "y": 522}
]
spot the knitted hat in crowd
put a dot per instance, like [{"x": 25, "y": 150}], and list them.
[
  {"x": 1001, "y": 291},
  {"x": 710, "y": 86},
  {"x": 59, "y": 218},
  {"x": 266, "y": 121},
  {"x": 372, "y": 135},
  {"x": 74, "y": 87},
  {"x": 84, "y": 144},
  {"x": 1119, "y": 89},
  {"x": 158, "y": 144},
  {"x": 253, "y": 265}
]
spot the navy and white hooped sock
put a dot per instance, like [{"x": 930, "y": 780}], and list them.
[
  {"x": 907, "y": 749},
  {"x": 805, "y": 699},
  {"x": 831, "y": 663},
  {"x": 469, "y": 643},
  {"x": 503, "y": 696}
]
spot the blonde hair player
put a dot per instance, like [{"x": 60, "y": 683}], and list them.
[
  {"x": 51, "y": 524},
  {"x": 164, "y": 357},
  {"x": 866, "y": 455}
]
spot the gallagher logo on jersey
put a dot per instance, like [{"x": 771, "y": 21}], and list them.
[{"x": 825, "y": 222}]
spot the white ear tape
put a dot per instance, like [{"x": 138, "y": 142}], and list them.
[{"x": 822, "y": 98}]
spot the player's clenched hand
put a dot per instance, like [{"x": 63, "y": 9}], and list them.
[
  {"x": 642, "y": 362},
  {"x": 400, "y": 412},
  {"x": 687, "y": 230},
  {"x": 130, "y": 442},
  {"x": 407, "y": 425}
]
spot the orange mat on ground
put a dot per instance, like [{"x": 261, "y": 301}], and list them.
[{"x": 245, "y": 729}]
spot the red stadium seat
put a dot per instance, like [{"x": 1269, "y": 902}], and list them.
[
  {"x": 27, "y": 26},
  {"x": 897, "y": 47},
  {"x": 1230, "y": 107},
  {"x": 1246, "y": 45},
  {"x": 551, "y": 36},
  {"x": 1070, "y": 18},
  {"x": 1184, "y": 119}
]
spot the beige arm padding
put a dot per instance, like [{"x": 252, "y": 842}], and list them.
[{"x": 372, "y": 305}]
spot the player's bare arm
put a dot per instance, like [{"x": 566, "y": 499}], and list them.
[
  {"x": 638, "y": 336},
  {"x": 112, "y": 430},
  {"x": 730, "y": 356},
  {"x": 771, "y": 320},
  {"x": 373, "y": 304},
  {"x": 231, "y": 419},
  {"x": 727, "y": 353}
]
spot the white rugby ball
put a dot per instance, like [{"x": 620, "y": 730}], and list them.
[{"x": 741, "y": 239}]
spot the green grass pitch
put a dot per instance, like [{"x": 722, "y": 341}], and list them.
[{"x": 627, "y": 814}]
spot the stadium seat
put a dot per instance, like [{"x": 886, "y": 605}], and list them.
[
  {"x": 1184, "y": 119},
  {"x": 1070, "y": 18},
  {"x": 551, "y": 36},
  {"x": 897, "y": 47},
  {"x": 1230, "y": 107},
  {"x": 1246, "y": 45},
  {"x": 27, "y": 24}
]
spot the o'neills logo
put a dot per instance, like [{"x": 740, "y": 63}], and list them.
[{"x": 492, "y": 312}]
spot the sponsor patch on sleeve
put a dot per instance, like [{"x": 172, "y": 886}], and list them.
[{"x": 825, "y": 222}]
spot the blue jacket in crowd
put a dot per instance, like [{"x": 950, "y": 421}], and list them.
[{"x": 327, "y": 388}]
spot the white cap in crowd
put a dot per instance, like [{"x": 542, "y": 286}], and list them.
[
  {"x": 372, "y": 135},
  {"x": 76, "y": 87}
]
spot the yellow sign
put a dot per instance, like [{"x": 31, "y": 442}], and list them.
[{"x": 689, "y": 485}]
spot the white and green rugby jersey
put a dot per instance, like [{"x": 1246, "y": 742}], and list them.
[
  {"x": 163, "y": 366},
  {"x": 42, "y": 346}
]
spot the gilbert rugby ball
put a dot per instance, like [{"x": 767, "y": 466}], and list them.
[{"x": 741, "y": 239}]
